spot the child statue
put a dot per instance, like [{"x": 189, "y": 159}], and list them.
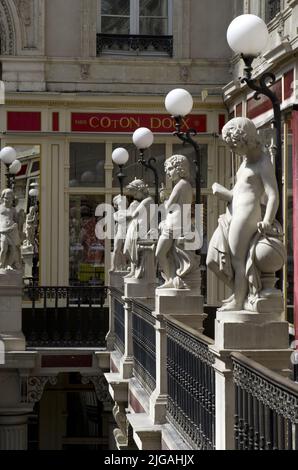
[{"x": 230, "y": 249}]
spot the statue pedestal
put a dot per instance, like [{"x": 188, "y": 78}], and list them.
[
  {"x": 27, "y": 255},
  {"x": 262, "y": 337},
  {"x": 11, "y": 310},
  {"x": 143, "y": 283},
  {"x": 250, "y": 331},
  {"x": 182, "y": 304}
]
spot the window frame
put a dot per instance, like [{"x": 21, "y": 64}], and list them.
[{"x": 134, "y": 16}]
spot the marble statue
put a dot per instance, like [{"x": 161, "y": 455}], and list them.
[
  {"x": 246, "y": 246},
  {"x": 119, "y": 259},
  {"x": 178, "y": 263},
  {"x": 10, "y": 240},
  {"x": 30, "y": 225},
  {"x": 141, "y": 216}
]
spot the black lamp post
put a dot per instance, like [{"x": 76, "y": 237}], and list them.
[
  {"x": 248, "y": 35},
  {"x": 143, "y": 139},
  {"x": 179, "y": 103}
]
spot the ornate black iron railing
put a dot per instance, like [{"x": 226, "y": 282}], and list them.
[
  {"x": 65, "y": 316},
  {"x": 144, "y": 346},
  {"x": 266, "y": 415},
  {"x": 272, "y": 8},
  {"x": 134, "y": 43},
  {"x": 191, "y": 387},
  {"x": 119, "y": 325}
]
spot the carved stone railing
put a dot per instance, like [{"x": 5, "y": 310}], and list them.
[
  {"x": 266, "y": 407},
  {"x": 144, "y": 345},
  {"x": 134, "y": 43},
  {"x": 191, "y": 386},
  {"x": 65, "y": 316}
]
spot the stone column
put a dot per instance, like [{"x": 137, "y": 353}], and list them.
[
  {"x": 11, "y": 310},
  {"x": 261, "y": 337},
  {"x": 158, "y": 399},
  {"x": 127, "y": 360},
  {"x": 13, "y": 428}
]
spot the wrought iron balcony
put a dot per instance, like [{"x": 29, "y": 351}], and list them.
[
  {"x": 65, "y": 316},
  {"x": 134, "y": 43}
]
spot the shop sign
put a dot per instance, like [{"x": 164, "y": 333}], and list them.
[{"x": 127, "y": 123}]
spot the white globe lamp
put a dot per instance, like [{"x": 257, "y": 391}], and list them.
[
  {"x": 143, "y": 138},
  {"x": 247, "y": 35},
  {"x": 15, "y": 167},
  {"x": 120, "y": 156},
  {"x": 8, "y": 155},
  {"x": 179, "y": 102}
]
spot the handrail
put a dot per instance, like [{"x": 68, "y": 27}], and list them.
[{"x": 265, "y": 373}]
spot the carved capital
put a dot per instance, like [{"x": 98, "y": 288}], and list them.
[{"x": 32, "y": 387}]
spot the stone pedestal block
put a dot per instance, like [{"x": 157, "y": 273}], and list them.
[
  {"x": 27, "y": 255},
  {"x": 250, "y": 331},
  {"x": 183, "y": 305},
  {"x": 139, "y": 288},
  {"x": 11, "y": 310}
]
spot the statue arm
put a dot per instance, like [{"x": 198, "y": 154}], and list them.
[
  {"x": 174, "y": 197},
  {"x": 271, "y": 191},
  {"x": 222, "y": 193}
]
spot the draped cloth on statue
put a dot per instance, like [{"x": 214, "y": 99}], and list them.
[{"x": 219, "y": 250}]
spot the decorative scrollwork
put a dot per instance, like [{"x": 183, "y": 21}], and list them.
[
  {"x": 100, "y": 386},
  {"x": 282, "y": 402},
  {"x": 33, "y": 387},
  {"x": 191, "y": 344}
]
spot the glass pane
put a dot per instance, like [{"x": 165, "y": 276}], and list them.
[
  {"x": 115, "y": 7},
  {"x": 133, "y": 169},
  {"x": 188, "y": 151},
  {"x": 86, "y": 252},
  {"x": 114, "y": 25},
  {"x": 27, "y": 206},
  {"x": 154, "y": 8},
  {"x": 153, "y": 26},
  {"x": 87, "y": 165}
]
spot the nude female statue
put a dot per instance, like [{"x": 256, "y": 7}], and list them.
[
  {"x": 10, "y": 240},
  {"x": 229, "y": 246},
  {"x": 175, "y": 261},
  {"x": 140, "y": 215}
]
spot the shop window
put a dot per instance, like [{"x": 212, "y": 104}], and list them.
[
  {"x": 180, "y": 149},
  {"x": 29, "y": 156},
  {"x": 134, "y": 169},
  {"x": 87, "y": 161},
  {"x": 134, "y": 25},
  {"x": 86, "y": 252}
]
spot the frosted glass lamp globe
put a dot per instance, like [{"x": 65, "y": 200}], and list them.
[
  {"x": 8, "y": 155},
  {"x": 15, "y": 167},
  {"x": 143, "y": 138},
  {"x": 120, "y": 156},
  {"x": 179, "y": 102},
  {"x": 247, "y": 35},
  {"x": 34, "y": 192}
]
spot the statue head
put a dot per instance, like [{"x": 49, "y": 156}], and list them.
[
  {"x": 177, "y": 166},
  {"x": 7, "y": 196},
  {"x": 138, "y": 189},
  {"x": 240, "y": 133}
]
